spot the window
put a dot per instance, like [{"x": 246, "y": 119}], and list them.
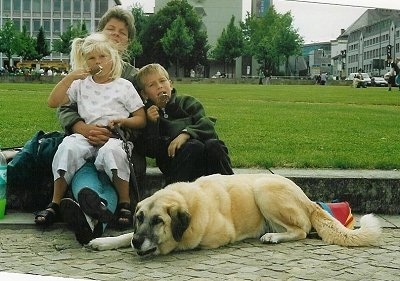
[
  {"x": 66, "y": 25},
  {"x": 56, "y": 6},
  {"x": 27, "y": 23},
  {"x": 67, "y": 7},
  {"x": 16, "y": 24},
  {"x": 7, "y": 6},
  {"x": 88, "y": 25},
  {"x": 86, "y": 6},
  {"x": 16, "y": 5},
  {"x": 36, "y": 6},
  {"x": 47, "y": 6},
  {"x": 46, "y": 26},
  {"x": 77, "y": 6},
  {"x": 103, "y": 6},
  {"x": 36, "y": 26},
  {"x": 56, "y": 27},
  {"x": 26, "y": 6}
]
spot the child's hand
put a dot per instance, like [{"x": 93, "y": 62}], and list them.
[
  {"x": 116, "y": 122},
  {"x": 152, "y": 113},
  {"x": 177, "y": 143},
  {"x": 96, "y": 135},
  {"x": 79, "y": 74}
]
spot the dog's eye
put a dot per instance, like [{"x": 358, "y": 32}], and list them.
[
  {"x": 140, "y": 217},
  {"x": 156, "y": 220}
]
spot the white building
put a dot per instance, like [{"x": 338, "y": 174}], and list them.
[{"x": 368, "y": 39}]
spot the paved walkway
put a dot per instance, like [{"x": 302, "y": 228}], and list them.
[{"x": 54, "y": 252}]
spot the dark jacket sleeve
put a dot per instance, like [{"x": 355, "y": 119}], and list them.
[
  {"x": 200, "y": 127},
  {"x": 68, "y": 116},
  {"x": 185, "y": 114}
]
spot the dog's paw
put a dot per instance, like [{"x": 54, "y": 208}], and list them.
[
  {"x": 101, "y": 244},
  {"x": 271, "y": 238}
]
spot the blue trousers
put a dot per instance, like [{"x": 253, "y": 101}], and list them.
[{"x": 99, "y": 182}]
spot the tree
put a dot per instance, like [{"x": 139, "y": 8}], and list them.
[
  {"x": 8, "y": 39},
  {"x": 229, "y": 45},
  {"x": 64, "y": 44},
  {"x": 42, "y": 47},
  {"x": 178, "y": 41},
  {"x": 135, "y": 48},
  {"x": 157, "y": 26},
  {"x": 271, "y": 37},
  {"x": 288, "y": 40},
  {"x": 27, "y": 46}
]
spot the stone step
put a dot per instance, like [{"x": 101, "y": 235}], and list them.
[{"x": 376, "y": 191}]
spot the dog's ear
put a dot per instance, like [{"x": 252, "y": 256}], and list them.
[
  {"x": 134, "y": 219},
  {"x": 180, "y": 220}
]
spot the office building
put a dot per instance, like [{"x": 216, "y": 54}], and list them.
[{"x": 55, "y": 16}]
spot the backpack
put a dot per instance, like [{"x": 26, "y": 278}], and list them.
[{"x": 29, "y": 173}]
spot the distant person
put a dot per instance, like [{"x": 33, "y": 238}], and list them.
[
  {"x": 394, "y": 74},
  {"x": 261, "y": 77},
  {"x": 324, "y": 78},
  {"x": 318, "y": 79},
  {"x": 358, "y": 80},
  {"x": 268, "y": 78}
]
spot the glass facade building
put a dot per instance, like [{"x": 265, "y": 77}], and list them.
[{"x": 55, "y": 16}]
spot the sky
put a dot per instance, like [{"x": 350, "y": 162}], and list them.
[{"x": 315, "y": 22}]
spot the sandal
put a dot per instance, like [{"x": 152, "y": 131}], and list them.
[
  {"x": 124, "y": 215},
  {"x": 94, "y": 206},
  {"x": 49, "y": 215}
]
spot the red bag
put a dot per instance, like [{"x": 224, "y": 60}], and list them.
[{"x": 341, "y": 211}]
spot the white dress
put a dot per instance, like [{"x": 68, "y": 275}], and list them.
[{"x": 97, "y": 104}]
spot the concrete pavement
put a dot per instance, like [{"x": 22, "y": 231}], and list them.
[
  {"x": 26, "y": 249},
  {"x": 55, "y": 252}
]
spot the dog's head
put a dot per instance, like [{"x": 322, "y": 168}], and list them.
[{"x": 160, "y": 222}]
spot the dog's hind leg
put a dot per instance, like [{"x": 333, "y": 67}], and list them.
[
  {"x": 286, "y": 209},
  {"x": 291, "y": 234}
]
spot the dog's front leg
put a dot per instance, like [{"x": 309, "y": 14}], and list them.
[{"x": 109, "y": 243}]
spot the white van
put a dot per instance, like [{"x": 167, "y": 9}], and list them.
[{"x": 365, "y": 76}]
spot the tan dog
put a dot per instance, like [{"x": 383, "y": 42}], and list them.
[{"x": 216, "y": 210}]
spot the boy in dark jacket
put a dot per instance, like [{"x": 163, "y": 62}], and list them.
[{"x": 178, "y": 134}]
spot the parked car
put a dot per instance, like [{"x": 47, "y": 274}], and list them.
[
  {"x": 379, "y": 82},
  {"x": 365, "y": 76}
]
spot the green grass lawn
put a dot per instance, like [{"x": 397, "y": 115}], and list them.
[{"x": 263, "y": 126}]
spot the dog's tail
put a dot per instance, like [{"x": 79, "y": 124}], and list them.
[{"x": 333, "y": 232}]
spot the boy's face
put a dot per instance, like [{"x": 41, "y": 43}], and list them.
[
  {"x": 157, "y": 88},
  {"x": 99, "y": 58}
]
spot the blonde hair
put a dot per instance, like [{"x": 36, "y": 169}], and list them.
[
  {"x": 147, "y": 70},
  {"x": 99, "y": 42}
]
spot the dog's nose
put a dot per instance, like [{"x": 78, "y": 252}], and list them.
[{"x": 137, "y": 241}]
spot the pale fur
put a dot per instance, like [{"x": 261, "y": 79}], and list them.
[{"x": 226, "y": 209}]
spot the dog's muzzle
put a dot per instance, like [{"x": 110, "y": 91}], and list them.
[{"x": 142, "y": 245}]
